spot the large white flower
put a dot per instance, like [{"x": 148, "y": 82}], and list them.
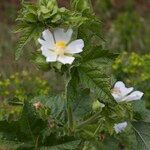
[
  {"x": 122, "y": 93},
  {"x": 57, "y": 46},
  {"x": 120, "y": 127}
]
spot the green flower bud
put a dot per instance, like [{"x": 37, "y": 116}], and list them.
[{"x": 97, "y": 105}]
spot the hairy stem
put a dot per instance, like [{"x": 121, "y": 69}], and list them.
[
  {"x": 69, "y": 108},
  {"x": 90, "y": 120}
]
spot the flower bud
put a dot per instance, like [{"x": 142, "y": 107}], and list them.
[{"x": 97, "y": 105}]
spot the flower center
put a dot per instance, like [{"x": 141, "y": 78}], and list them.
[
  {"x": 116, "y": 91},
  {"x": 60, "y": 47}
]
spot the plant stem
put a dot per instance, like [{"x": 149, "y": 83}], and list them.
[
  {"x": 69, "y": 108},
  {"x": 90, "y": 120},
  {"x": 36, "y": 143},
  {"x": 97, "y": 129},
  {"x": 70, "y": 118}
]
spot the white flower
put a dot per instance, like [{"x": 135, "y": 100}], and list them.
[
  {"x": 122, "y": 93},
  {"x": 58, "y": 46},
  {"x": 120, "y": 127}
]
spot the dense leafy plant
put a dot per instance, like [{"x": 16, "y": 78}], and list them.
[{"x": 86, "y": 114}]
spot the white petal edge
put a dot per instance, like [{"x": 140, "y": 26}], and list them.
[
  {"x": 123, "y": 89},
  {"x": 48, "y": 37},
  {"x": 66, "y": 59},
  {"x": 75, "y": 47},
  {"x": 45, "y": 43},
  {"x": 117, "y": 97},
  {"x": 136, "y": 95},
  {"x": 120, "y": 127},
  {"x": 50, "y": 56},
  {"x": 61, "y": 35}
]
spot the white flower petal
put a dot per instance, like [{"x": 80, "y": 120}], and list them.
[
  {"x": 117, "y": 97},
  {"x": 120, "y": 127},
  {"x": 44, "y": 43},
  {"x": 75, "y": 47},
  {"x": 61, "y": 35},
  {"x": 48, "y": 40},
  {"x": 121, "y": 86},
  {"x": 66, "y": 59},
  {"x": 50, "y": 56},
  {"x": 136, "y": 95},
  {"x": 47, "y": 36}
]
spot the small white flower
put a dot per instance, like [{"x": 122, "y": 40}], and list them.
[
  {"x": 122, "y": 93},
  {"x": 120, "y": 127},
  {"x": 58, "y": 46}
]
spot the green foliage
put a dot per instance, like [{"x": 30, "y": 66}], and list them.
[
  {"x": 104, "y": 145},
  {"x": 36, "y": 132},
  {"x": 29, "y": 33},
  {"x": 142, "y": 133},
  {"x": 67, "y": 120},
  {"x": 55, "y": 103},
  {"x": 81, "y": 5},
  {"x": 34, "y": 18},
  {"x": 82, "y": 105},
  {"x": 66, "y": 146},
  {"x": 40, "y": 63},
  {"x": 141, "y": 113},
  {"x": 92, "y": 73}
]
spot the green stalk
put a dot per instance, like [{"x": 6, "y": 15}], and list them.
[
  {"x": 70, "y": 118},
  {"x": 90, "y": 120},
  {"x": 69, "y": 109}
]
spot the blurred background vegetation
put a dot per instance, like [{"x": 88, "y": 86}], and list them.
[{"x": 126, "y": 29}]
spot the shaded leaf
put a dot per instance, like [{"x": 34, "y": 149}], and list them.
[
  {"x": 94, "y": 71},
  {"x": 24, "y": 39},
  {"x": 107, "y": 144},
  {"x": 72, "y": 85},
  {"x": 55, "y": 103},
  {"x": 65, "y": 146},
  {"x": 141, "y": 113},
  {"x": 83, "y": 104},
  {"x": 142, "y": 132}
]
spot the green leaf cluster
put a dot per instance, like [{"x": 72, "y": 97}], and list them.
[
  {"x": 33, "y": 18},
  {"x": 30, "y": 131}
]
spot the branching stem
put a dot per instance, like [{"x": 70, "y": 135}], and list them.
[{"x": 90, "y": 120}]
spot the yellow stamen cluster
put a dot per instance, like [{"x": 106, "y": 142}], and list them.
[{"x": 60, "y": 48}]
